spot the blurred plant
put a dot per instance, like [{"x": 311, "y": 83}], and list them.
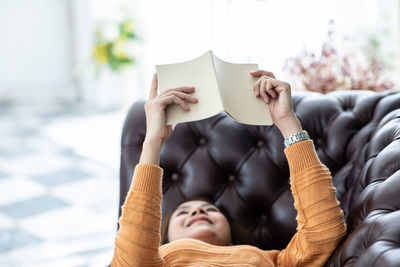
[
  {"x": 330, "y": 71},
  {"x": 111, "y": 46}
]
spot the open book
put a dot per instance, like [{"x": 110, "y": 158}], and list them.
[{"x": 219, "y": 86}]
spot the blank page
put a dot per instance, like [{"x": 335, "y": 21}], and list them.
[
  {"x": 199, "y": 73},
  {"x": 236, "y": 89}
]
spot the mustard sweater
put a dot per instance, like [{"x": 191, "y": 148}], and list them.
[{"x": 320, "y": 224}]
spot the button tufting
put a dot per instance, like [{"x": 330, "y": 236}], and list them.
[
  {"x": 319, "y": 142},
  {"x": 174, "y": 176},
  {"x": 202, "y": 141},
  {"x": 231, "y": 177},
  {"x": 260, "y": 143}
]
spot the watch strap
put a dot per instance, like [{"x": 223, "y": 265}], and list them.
[{"x": 297, "y": 137}]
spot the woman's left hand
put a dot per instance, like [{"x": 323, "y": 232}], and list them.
[{"x": 279, "y": 99}]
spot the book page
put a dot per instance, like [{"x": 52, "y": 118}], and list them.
[
  {"x": 199, "y": 73},
  {"x": 237, "y": 93}
]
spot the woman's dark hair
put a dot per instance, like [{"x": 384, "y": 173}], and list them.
[
  {"x": 239, "y": 234},
  {"x": 165, "y": 226}
]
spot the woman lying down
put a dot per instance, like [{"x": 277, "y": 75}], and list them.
[{"x": 198, "y": 233}]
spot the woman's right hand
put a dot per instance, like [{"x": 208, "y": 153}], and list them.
[{"x": 157, "y": 131}]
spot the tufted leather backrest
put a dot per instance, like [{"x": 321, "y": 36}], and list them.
[{"x": 243, "y": 169}]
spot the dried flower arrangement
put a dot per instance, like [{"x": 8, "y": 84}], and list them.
[{"x": 330, "y": 71}]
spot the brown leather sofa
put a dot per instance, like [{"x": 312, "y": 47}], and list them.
[{"x": 243, "y": 169}]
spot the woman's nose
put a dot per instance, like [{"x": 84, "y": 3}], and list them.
[{"x": 198, "y": 210}]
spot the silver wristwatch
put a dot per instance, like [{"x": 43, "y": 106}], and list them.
[{"x": 297, "y": 137}]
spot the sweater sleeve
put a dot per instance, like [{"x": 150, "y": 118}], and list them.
[
  {"x": 138, "y": 239},
  {"x": 320, "y": 223}
]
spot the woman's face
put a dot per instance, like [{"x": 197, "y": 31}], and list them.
[{"x": 199, "y": 220}]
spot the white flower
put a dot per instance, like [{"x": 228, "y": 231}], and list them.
[{"x": 111, "y": 32}]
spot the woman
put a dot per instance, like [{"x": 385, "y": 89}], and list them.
[{"x": 198, "y": 233}]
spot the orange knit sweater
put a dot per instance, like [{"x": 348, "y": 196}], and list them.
[{"x": 319, "y": 230}]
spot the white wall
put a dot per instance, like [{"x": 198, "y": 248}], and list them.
[{"x": 35, "y": 48}]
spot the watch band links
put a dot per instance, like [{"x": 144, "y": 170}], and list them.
[{"x": 297, "y": 137}]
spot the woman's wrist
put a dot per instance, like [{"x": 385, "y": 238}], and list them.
[
  {"x": 151, "y": 150},
  {"x": 153, "y": 142},
  {"x": 289, "y": 126}
]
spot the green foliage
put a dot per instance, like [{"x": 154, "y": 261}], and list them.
[{"x": 114, "y": 53}]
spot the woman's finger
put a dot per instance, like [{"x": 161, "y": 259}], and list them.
[
  {"x": 172, "y": 99},
  {"x": 258, "y": 73},
  {"x": 270, "y": 89},
  {"x": 263, "y": 91},
  {"x": 182, "y": 95},
  {"x": 153, "y": 88},
  {"x": 280, "y": 86},
  {"x": 186, "y": 89},
  {"x": 256, "y": 87}
]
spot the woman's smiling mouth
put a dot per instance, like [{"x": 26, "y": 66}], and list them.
[{"x": 200, "y": 218}]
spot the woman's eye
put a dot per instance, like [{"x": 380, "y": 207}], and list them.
[
  {"x": 212, "y": 209},
  {"x": 181, "y": 212}
]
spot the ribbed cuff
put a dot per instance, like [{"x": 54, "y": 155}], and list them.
[
  {"x": 147, "y": 178},
  {"x": 301, "y": 155}
]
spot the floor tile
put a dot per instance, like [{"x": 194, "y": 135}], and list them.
[
  {"x": 100, "y": 170},
  {"x": 34, "y": 206},
  {"x": 89, "y": 192},
  {"x": 15, "y": 147},
  {"x": 70, "y": 153},
  {"x": 39, "y": 254},
  {"x": 3, "y": 174},
  {"x": 7, "y": 261},
  {"x": 64, "y": 262},
  {"x": 69, "y": 223},
  {"x": 42, "y": 144},
  {"x": 35, "y": 163},
  {"x": 12, "y": 238},
  {"x": 61, "y": 176},
  {"x": 7, "y": 154},
  {"x": 6, "y": 222},
  {"x": 17, "y": 188},
  {"x": 85, "y": 135}
]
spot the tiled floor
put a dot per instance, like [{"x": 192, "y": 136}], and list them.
[{"x": 58, "y": 185}]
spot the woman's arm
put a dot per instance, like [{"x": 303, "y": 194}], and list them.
[
  {"x": 320, "y": 223},
  {"x": 137, "y": 241},
  {"x": 138, "y": 238}
]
